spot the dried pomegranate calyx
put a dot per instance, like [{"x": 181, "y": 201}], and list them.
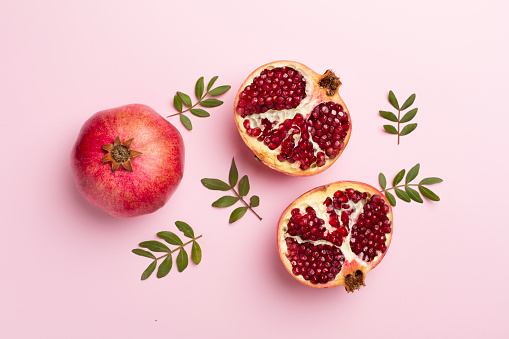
[
  {"x": 120, "y": 154},
  {"x": 354, "y": 281},
  {"x": 330, "y": 82}
]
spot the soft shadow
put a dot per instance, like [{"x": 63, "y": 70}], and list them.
[
  {"x": 288, "y": 286},
  {"x": 84, "y": 208},
  {"x": 247, "y": 159},
  {"x": 81, "y": 208}
]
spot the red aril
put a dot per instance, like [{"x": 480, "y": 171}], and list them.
[
  {"x": 292, "y": 118},
  {"x": 335, "y": 234},
  {"x": 128, "y": 160}
]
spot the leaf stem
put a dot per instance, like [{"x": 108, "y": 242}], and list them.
[
  {"x": 397, "y": 186},
  {"x": 190, "y": 108},
  {"x": 241, "y": 199},
  {"x": 180, "y": 246},
  {"x": 399, "y": 113}
]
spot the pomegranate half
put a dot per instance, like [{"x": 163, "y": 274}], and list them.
[
  {"x": 292, "y": 118},
  {"x": 128, "y": 160},
  {"x": 335, "y": 234}
]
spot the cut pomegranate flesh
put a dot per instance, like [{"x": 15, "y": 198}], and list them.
[
  {"x": 279, "y": 88},
  {"x": 347, "y": 226},
  {"x": 316, "y": 263},
  {"x": 293, "y": 115}
]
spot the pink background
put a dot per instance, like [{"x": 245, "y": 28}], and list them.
[{"x": 66, "y": 267}]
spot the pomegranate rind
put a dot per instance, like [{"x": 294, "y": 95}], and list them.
[
  {"x": 352, "y": 262},
  {"x": 314, "y": 96}
]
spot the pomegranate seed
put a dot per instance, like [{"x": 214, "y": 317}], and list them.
[{"x": 343, "y": 231}]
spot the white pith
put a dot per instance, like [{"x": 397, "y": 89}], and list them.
[{"x": 255, "y": 121}]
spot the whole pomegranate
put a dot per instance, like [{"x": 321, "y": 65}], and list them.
[
  {"x": 292, "y": 118},
  {"x": 128, "y": 160},
  {"x": 333, "y": 235}
]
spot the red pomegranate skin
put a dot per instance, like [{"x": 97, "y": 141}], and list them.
[{"x": 156, "y": 174}]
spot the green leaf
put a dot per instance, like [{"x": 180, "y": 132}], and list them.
[
  {"x": 233, "y": 176},
  {"x": 186, "y": 122},
  {"x": 165, "y": 267},
  {"x": 430, "y": 181},
  {"x": 408, "y": 129},
  {"x": 402, "y": 195},
  {"x": 225, "y": 201},
  {"x": 398, "y": 177},
  {"x": 148, "y": 271},
  {"x": 201, "y": 113},
  {"x": 428, "y": 193},
  {"x": 182, "y": 260},
  {"x": 390, "y": 129},
  {"x": 244, "y": 186},
  {"x": 143, "y": 253},
  {"x": 382, "y": 180},
  {"x": 393, "y": 100},
  {"x": 185, "y": 228},
  {"x": 211, "y": 103},
  {"x": 211, "y": 83},
  {"x": 220, "y": 90},
  {"x": 215, "y": 184},
  {"x": 413, "y": 194},
  {"x": 196, "y": 253},
  {"x": 389, "y": 116},
  {"x": 185, "y": 99},
  {"x": 412, "y": 174},
  {"x": 391, "y": 198},
  {"x": 408, "y": 102},
  {"x": 237, "y": 214},
  {"x": 409, "y": 115},
  {"x": 177, "y": 102},
  {"x": 155, "y": 246},
  {"x": 170, "y": 237},
  {"x": 199, "y": 88},
  {"x": 254, "y": 201}
]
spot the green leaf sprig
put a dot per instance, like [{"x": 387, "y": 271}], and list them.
[
  {"x": 181, "y": 99},
  {"x": 241, "y": 192},
  {"x": 408, "y": 194},
  {"x": 407, "y": 129},
  {"x": 167, "y": 261}
]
